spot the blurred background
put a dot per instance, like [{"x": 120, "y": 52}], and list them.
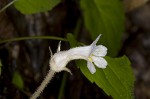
[{"x": 25, "y": 63}]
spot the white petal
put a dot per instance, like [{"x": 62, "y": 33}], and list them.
[
  {"x": 100, "y": 50},
  {"x": 96, "y": 40},
  {"x": 79, "y": 52},
  {"x": 93, "y": 45},
  {"x": 99, "y": 62},
  {"x": 91, "y": 67}
]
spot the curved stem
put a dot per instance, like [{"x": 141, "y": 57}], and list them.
[
  {"x": 40, "y": 89},
  {"x": 9, "y": 4},
  {"x": 33, "y": 37}
]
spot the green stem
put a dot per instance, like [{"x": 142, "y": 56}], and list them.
[
  {"x": 78, "y": 27},
  {"x": 9, "y": 4},
  {"x": 76, "y": 33},
  {"x": 63, "y": 83},
  {"x": 32, "y": 37}
]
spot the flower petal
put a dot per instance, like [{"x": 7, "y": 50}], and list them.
[
  {"x": 99, "y": 62},
  {"x": 96, "y": 40},
  {"x": 93, "y": 45},
  {"x": 100, "y": 50},
  {"x": 91, "y": 67}
]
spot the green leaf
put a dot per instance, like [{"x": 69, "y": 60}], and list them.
[
  {"x": 17, "y": 80},
  {"x": 35, "y": 6},
  {"x": 104, "y": 17},
  {"x": 116, "y": 80},
  {"x": 71, "y": 40}
]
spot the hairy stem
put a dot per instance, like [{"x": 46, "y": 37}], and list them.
[{"x": 40, "y": 89}]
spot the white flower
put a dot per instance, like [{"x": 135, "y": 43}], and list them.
[
  {"x": 96, "y": 56},
  {"x": 92, "y": 53}
]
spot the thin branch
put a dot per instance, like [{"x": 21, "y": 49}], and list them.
[
  {"x": 6, "y": 6},
  {"x": 32, "y": 37},
  {"x": 40, "y": 89}
]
